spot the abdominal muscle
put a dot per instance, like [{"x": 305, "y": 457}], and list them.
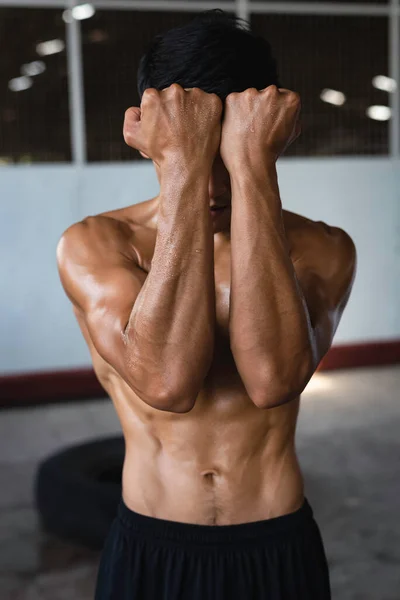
[{"x": 225, "y": 462}]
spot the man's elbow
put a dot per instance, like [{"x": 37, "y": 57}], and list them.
[
  {"x": 170, "y": 390},
  {"x": 279, "y": 391},
  {"x": 175, "y": 402},
  {"x": 274, "y": 398}
]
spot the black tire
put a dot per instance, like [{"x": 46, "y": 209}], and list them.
[{"x": 77, "y": 491}]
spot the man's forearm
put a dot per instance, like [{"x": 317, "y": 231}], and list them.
[
  {"x": 269, "y": 325},
  {"x": 173, "y": 321}
]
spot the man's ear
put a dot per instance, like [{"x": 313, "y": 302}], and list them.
[{"x": 143, "y": 154}]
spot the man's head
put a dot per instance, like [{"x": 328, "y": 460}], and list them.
[{"x": 216, "y": 53}]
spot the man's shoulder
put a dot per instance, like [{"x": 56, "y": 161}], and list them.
[
  {"x": 318, "y": 232},
  {"x": 135, "y": 215},
  {"x": 96, "y": 239},
  {"x": 318, "y": 244},
  {"x": 126, "y": 214},
  {"x": 138, "y": 220}
]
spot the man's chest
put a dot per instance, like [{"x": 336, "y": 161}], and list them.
[
  {"x": 223, "y": 281},
  {"x": 145, "y": 245}
]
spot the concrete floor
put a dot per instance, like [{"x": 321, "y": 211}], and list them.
[{"x": 348, "y": 442}]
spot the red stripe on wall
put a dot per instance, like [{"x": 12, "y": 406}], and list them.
[
  {"x": 351, "y": 356},
  {"x": 33, "y": 389},
  {"x": 49, "y": 386}
]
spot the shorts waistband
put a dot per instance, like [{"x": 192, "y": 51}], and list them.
[{"x": 215, "y": 534}]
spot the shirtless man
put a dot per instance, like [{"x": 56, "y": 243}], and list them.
[{"x": 207, "y": 310}]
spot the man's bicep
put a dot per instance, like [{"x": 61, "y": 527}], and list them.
[
  {"x": 108, "y": 314},
  {"x": 102, "y": 282},
  {"x": 341, "y": 275},
  {"x": 326, "y": 286}
]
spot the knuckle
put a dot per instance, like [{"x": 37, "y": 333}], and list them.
[
  {"x": 215, "y": 99},
  {"x": 198, "y": 93},
  {"x": 149, "y": 94},
  {"x": 231, "y": 97},
  {"x": 175, "y": 88},
  {"x": 127, "y": 133},
  {"x": 129, "y": 138},
  {"x": 293, "y": 98}
]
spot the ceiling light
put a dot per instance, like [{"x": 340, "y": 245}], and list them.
[
  {"x": 18, "y": 84},
  {"x": 82, "y": 11},
  {"x": 67, "y": 16},
  {"x": 50, "y": 47},
  {"x": 387, "y": 84},
  {"x": 333, "y": 97},
  {"x": 33, "y": 68},
  {"x": 379, "y": 113}
]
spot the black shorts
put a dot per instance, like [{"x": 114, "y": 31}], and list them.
[{"x": 146, "y": 558}]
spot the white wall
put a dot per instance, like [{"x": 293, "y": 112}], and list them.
[
  {"x": 37, "y": 327},
  {"x": 363, "y": 197}
]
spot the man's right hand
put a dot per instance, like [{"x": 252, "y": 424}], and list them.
[{"x": 176, "y": 123}]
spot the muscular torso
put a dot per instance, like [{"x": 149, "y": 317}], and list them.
[{"x": 226, "y": 461}]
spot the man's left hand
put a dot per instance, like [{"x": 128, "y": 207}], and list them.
[{"x": 259, "y": 125}]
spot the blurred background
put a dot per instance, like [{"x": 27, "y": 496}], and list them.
[{"x": 67, "y": 74}]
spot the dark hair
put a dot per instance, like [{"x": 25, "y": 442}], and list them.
[{"x": 214, "y": 52}]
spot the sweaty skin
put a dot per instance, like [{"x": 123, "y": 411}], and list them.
[{"x": 150, "y": 286}]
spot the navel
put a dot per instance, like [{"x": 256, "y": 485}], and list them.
[{"x": 209, "y": 474}]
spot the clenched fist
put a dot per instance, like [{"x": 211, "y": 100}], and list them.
[
  {"x": 259, "y": 125},
  {"x": 175, "y": 123}
]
